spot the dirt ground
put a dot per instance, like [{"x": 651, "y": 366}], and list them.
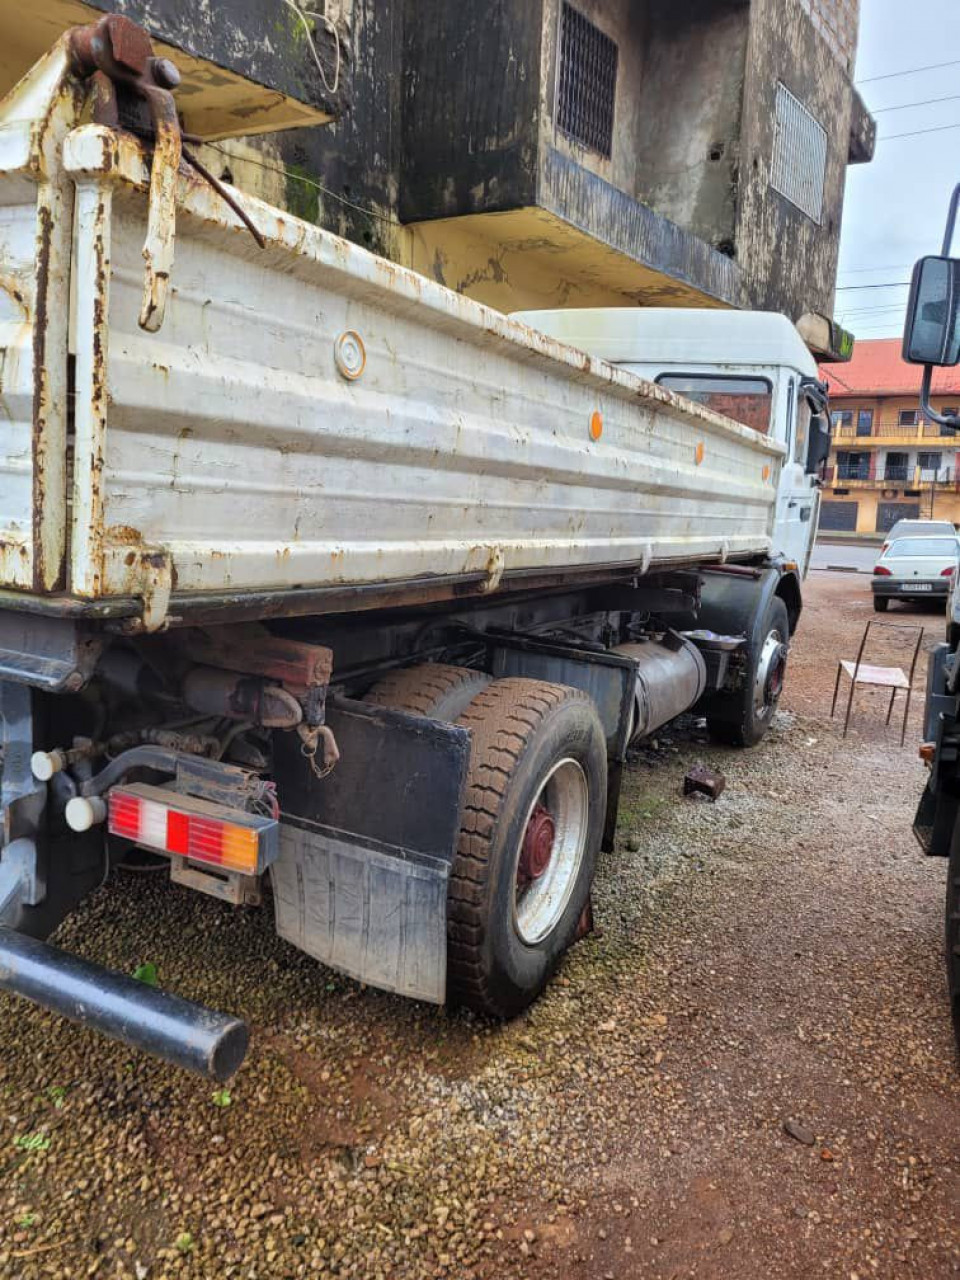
[{"x": 773, "y": 958}]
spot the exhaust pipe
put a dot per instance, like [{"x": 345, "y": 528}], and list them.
[{"x": 179, "y": 1031}]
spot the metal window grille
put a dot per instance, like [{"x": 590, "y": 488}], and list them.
[
  {"x": 586, "y": 82},
  {"x": 799, "y": 155}
]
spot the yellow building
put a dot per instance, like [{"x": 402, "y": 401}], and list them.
[{"x": 886, "y": 461}]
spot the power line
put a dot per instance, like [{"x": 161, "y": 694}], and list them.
[
  {"x": 283, "y": 171},
  {"x": 856, "y": 288},
  {"x": 895, "y": 75},
  {"x": 892, "y": 137},
  {"x": 870, "y": 311},
  {"x": 906, "y": 106}
]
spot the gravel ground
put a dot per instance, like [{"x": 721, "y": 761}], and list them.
[{"x": 774, "y": 957}]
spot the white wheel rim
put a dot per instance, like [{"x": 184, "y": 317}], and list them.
[
  {"x": 539, "y": 905},
  {"x": 772, "y": 660}
]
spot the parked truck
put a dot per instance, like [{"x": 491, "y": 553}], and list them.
[
  {"x": 318, "y": 576},
  {"x": 932, "y": 339}
]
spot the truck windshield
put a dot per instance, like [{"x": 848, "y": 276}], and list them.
[{"x": 746, "y": 400}]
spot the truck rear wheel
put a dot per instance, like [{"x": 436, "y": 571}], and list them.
[
  {"x": 532, "y": 825},
  {"x": 743, "y": 717},
  {"x": 432, "y": 689}
]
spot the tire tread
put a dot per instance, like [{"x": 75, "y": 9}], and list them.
[{"x": 503, "y": 720}]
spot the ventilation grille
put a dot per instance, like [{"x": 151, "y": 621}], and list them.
[
  {"x": 587, "y": 82},
  {"x": 799, "y": 155}
]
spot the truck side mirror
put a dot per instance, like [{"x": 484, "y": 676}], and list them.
[
  {"x": 932, "y": 332},
  {"x": 818, "y": 443}
]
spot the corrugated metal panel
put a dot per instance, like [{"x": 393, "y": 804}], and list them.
[
  {"x": 230, "y": 449},
  {"x": 799, "y": 155}
]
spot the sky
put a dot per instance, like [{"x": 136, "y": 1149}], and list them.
[{"x": 896, "y": 206}]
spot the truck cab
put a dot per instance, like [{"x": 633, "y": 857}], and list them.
[{"x": 753, "y": 367}]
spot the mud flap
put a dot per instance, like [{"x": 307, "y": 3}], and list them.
[
  {"x": 378, "y": 914},
  {"x": 365, "y": 854}
]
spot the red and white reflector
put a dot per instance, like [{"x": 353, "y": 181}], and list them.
[{"x": 169, "y": 822}]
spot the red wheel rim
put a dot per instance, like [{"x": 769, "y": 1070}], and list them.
[{"x": 537, "y": 847}]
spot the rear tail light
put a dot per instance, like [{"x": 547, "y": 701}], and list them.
[
  {"x": 881, "y": 571},
  {"x": 948, "y": 572},
  {"x": 196, "y": 829}
]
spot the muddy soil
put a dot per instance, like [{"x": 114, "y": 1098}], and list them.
[{"x": 771, "y": 960}]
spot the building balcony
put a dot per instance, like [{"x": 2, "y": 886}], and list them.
[
  {"x": 893, "y": 432},
  {"x": 901, "y": 477},
  {"x": 846, "y": 473}
]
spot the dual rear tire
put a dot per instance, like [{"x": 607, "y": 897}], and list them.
[{"x": 532, "y": 823}]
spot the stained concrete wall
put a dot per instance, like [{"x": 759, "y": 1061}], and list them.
[
  {"x": 688, "y": 147},
  {"x": 469, "y": 107},
  {"x": 789, "y": 261},
  {"x": 453, "y": 123},
  {"x": 625, "y": 23},
  {"x": 356, "y": 162}
]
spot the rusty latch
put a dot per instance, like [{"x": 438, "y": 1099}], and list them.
[{"x": 115, "y": 52}]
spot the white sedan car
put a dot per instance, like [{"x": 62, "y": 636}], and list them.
[{"x": 915, "y": 568}]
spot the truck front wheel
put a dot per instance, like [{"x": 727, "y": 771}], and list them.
[
  {"x": 532, "y": 825},
  {"x": 742, "y": 718}
]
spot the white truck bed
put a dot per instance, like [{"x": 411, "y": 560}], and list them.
[{"x": 226, "y": 453}]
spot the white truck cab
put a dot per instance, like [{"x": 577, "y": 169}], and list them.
[{"x": 750, "y": 366}]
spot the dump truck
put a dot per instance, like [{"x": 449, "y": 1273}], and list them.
[{"x": 337, "y": 590}]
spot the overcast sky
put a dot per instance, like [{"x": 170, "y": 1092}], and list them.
[{"x": 896, "y": 206}]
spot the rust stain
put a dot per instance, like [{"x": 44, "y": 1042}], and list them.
[
  {"x": 12, "y": 286},
  {"x": 121, "y": 535},
  {"x": 41, "y": 389}
]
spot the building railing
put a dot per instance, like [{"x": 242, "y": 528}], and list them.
[
  {"x": 896, "y": 428},
  {"x": 884, "y": 428},
  {"x": 929, "y": 475},
  {"x": 904, "y": 475}
]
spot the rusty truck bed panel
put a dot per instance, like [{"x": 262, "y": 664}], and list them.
[{"x": 311, "y": 415}]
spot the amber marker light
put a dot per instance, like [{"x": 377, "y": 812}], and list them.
[{"x": 596, "y": 425}]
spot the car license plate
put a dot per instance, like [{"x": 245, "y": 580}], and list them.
[{"x": 918, "y": 586}]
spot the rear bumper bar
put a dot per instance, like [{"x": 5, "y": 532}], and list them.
[
  {"x": 898, "y": 589},
  {"x": 186, "y": 1034}
]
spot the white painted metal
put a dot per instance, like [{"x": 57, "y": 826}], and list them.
[
  {"x": 230, "y": 453},
  {"x": 657, "y": 338},
  {"x": 750, "y": 344},
  {"x": 36, "y": 223}
]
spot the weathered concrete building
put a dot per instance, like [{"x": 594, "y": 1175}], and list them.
[
  {"x": 600, "y": 152},
  {"x": 554, "y": 152}
]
